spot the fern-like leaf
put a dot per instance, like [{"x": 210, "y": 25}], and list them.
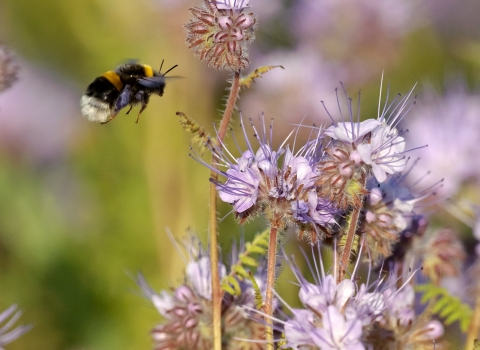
[
  {"x": 257, "y": 293},
  {"x": 230, "y": 284},
  {"x": 449, "y": 307},
  {"x": 257, "y": 73},
  {"x": 200, "y": 138},
  {"x": 238, "y": 271}
]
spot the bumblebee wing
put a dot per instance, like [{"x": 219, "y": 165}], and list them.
[{"x": 152, "y": 82}]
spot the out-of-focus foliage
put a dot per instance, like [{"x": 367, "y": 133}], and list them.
[
  {"x": 450, "y": 308},
  {"x": 83, "y": 205}
]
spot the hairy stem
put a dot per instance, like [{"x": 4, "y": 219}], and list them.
[
  {"x": 272, "y": 256},
  {"x": 474, "y": 328},
  {"x": 232, "y": 99},
  {"x": 216, "y": 290},
  {"x": 352, "y": 225}
]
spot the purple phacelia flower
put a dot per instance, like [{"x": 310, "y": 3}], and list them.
[
  {"x": 232, "y": 4},
  {"x": 350, "y": 315},
  {"x": 275, "y": 182},
  {"x": 219, "y": 33},
  {"x": 187, "y": 310},
  {"x": 390, "y": 211},
  {"x": 6, "y": 335},
  {"x": 357, "y": 150}
]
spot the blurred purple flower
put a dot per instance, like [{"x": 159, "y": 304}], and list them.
[
  {"x": 390, "y": 211},
  {"x": 359, "y": 35},
  {"x": 349, "y": 315},
  {"x": 8, "y": 67},
  {"x": 187, "y": 312},
  {"x": 38, "y": 130},
  {"x": 305, "y": 81},
  {"x": 7, "y": 335},
  {"x": 198, "y": 273},
  {"x": 450, "y": 125}
]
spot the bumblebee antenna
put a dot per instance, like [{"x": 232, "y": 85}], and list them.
[
  {"x": 170, "y": 69},
  {"x": 161, "y": 65}
]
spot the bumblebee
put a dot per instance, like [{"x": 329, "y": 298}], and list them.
[{"x": 129, "y": 84}]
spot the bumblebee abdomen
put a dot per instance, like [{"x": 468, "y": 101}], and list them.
[{"x": 103, "y": 89}]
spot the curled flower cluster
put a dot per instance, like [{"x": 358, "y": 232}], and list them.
[
  {"x": 188, "y": 311},
  {"x": 328, "y": 176},
  {"x": 220, "y": 32},
  {"x": 443, "y": 254},
  {"x": 346, "y": 315},
  {"x": 285, "y": 193},
  {"x": 8, "y": 68},
  {"x": 360, "y": 149},
  {"x": 389, "y": 212}
]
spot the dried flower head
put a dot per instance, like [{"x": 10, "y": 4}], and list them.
[
  {"x": 6, "y": 335},
  {"x": 8, "y": 68},
  {"x": 219, "y": 33},
  {"x": 285, "y": 193},
  {"x": 188, "y": 310}
]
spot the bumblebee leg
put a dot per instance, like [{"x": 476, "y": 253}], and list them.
[
  {"x": 131, "y": 106},
  {"x": 113, "y": 116},
  {"x": 141, "y": 110},
  {"x": 144, "y": 98}
]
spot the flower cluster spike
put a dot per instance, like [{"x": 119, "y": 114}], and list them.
[
  {"x": 188, "y": 310},
  {"x": 219, "y": 33},
  {"x": 349, "y": 315},
  {"x": 278, "y": 183},
  {"x": 8, "y": 68}
]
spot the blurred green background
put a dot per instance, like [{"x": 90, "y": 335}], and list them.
[{"x": 85, "y": 206}]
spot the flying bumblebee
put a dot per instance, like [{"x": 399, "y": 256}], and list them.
[{"x": 129, "y": 84}]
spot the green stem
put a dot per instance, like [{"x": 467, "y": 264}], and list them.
[
  {"x": 272, "y": 257},
  {"x": 216, "y": 289},
  {"x": 474, "y": 328},
  {"x": 352, "y": 225}
]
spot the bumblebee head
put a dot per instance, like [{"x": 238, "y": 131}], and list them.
[{"x": 156, "y": 82}]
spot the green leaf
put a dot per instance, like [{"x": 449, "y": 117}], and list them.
[
  {"x": 246, "y": 260},
  {"x": 257, "y": 73},
  {"x": 257, "y": 249},
  {"x": 446, "y": 306},
  {"x": 256, "y": 291},
  {"x": 440, "y": 304},
  {"x": 228, "y": 289},
  {"x": 239, "y": 270},
  {"x": 231, "y": 283}
]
